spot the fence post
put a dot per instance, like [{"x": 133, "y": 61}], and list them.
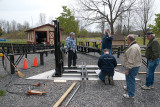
[
  {"x": 118, "y": 53},
  {"x": 12, "y": 62},
  {"x": 41, "y": 58}
]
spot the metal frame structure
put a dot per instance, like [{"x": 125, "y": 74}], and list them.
[
  {"x": 58, "y": 53},
  {"x": 59, "y": 68},
  {"x": 81, "y": 70}
]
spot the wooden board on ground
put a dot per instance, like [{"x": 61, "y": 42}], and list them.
[
  {"x": 60, "y": 81},
  {"x": 146, "y": 72},
  {"x": 64, "y": 95}
]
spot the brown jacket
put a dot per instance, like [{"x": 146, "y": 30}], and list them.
[{"x": 132, "y": 56}]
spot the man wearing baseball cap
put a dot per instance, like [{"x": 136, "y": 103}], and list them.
[
  {"x": 71, "y": 46},
  {"x": 153, "y": 56}
]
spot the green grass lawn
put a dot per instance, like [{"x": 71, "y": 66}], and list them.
[
  {"x": 84, "y": 40},
  {"x": 140, "y": 41},
  {"x": 17, "y": 41}
]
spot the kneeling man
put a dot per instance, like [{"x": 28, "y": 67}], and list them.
[{"x": 107, "y": 63}]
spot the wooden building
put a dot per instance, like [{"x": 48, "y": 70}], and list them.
[
  {"x": 118, "y": 40},
  {"x": 41, "y": 35}
]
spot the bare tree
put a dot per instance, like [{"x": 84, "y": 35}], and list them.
[
  {"x": 51, "y": 20},
  {"x": 144, "y": 13},
  {"x": 26, "y": 25},
  {"x": 19, "y": 27},
  {"x": 92, "y": 11},
  {"x": 8, "y": 27},
  {"x": 101, "y": 25},
  {"x": 13, "y": 26},
  {"x": 128, "y": 17},
  {"x": 119, "y": 26},
  {"x": 3, "y": 25},
  {"x": 42, "y": 18}
]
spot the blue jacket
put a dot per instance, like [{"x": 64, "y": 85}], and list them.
[
  {"x": 107, "y": 63},
  {"x": 70, "y": 43},
  {"x": 107, "y": 42}
]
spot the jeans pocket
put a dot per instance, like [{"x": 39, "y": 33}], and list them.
[{"x": 153, "y": 63}]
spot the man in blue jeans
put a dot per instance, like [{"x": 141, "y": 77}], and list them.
[
  {"x": 153, "y": 56},
  {"x": 132, "y": 63},
  {"x": 107, "y": 63},
  {"x": 71, "y": 47}
]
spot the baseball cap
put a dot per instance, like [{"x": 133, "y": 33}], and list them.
[
  {"x": 72, "y": 33},
  {"x": 149, "y": 33}
]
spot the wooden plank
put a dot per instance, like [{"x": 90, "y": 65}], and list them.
[
  {"x": 64, "y": 95},
  {"x": 146, "y": 72},
  {"x": 60, "y": 81},
  {"x": 119, "y": 64}
]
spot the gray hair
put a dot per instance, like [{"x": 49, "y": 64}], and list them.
[
  {"x": 153, "y": 35},
  {"x": 150, "y": 33},
  {"x": 131, "y": 37},
  {"x": 72, "y": 33}
]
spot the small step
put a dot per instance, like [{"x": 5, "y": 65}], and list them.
[
  {"x": 77, "y": 70},
  {"x": 71, "y": 74},
  {"x": 87, "y": 66}
]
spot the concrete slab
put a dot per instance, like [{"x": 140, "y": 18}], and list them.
[{"x": 74, "y": 76}]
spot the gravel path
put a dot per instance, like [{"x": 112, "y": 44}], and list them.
[{"x": 90, "y": 94}]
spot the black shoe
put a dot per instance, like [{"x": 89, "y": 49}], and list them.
[
  {"x": 74, "y": 67},
  {"x": 111, "y": 80},
  {"x": 106, "y": 80}
]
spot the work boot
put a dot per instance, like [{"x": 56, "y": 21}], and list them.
[
  {"x": 144, "y": 87},
  {"x": 111, "y": 80},
  {"x": 125, "y": 88},
  {"x": 106, "y": 80},
  {"x": 127, "y": 96},
  {"x": 151, "y": 86},
  {"x": 74, "y": 67}
]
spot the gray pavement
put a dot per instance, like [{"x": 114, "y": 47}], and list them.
[{"x": 90, "y": 94}]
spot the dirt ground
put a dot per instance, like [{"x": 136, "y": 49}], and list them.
[{"x": 90, "y": 94}]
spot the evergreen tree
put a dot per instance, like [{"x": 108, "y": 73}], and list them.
[
  {"x": 68, "y": 22},
  {"x": 156, "y": 28}
]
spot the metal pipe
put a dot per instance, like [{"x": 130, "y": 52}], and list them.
[{"x": 72, "y": 96}]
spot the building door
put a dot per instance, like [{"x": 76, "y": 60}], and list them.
[
  {"x": 51, "y": 37},
  {"x": 41, "y": 37}
]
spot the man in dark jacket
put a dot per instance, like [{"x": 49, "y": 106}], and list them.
[
  {"x": 107, "y": 42},
  {"x": 107, "y": 63},
  {"x": 153, "y": 56}
]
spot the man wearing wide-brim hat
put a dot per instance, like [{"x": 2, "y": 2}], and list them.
[{"x": 153, "y": 56}]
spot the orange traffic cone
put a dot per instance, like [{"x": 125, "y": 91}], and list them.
[
  {"x": 25, "y": 66},
  {"x": 35, "y": 62}
]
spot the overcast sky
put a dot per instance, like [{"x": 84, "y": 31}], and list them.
[{"x": 29, "y": 10}]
